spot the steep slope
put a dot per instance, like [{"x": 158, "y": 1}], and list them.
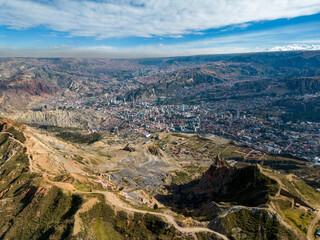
[{"x": 24, "y": 202}]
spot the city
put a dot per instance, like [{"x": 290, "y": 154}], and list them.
[{"x": 243, "y": 121}]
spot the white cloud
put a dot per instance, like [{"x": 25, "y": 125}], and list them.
[
  {"x": 257, "y": 41},
  {"x": 145, "y": 18}
]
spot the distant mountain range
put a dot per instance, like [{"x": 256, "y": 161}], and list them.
[{"x": 179, "y": 79}]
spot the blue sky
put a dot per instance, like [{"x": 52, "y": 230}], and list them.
[{"x": 150, "y": 28}]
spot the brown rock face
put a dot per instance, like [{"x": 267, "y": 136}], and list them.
[
  {"x": 221, "y": 183},
  {"x": 155, "y": 150},
  {"x": 216, "y": 179},
  {"x": 5, "y": 124},
  {"x": 220, "y": 162},
  {"x": 129, "y": 148}
]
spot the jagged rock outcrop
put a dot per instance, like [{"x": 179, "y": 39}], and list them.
[
  {"x": 221, "y": 183},
  {"x": 155, "y": 150},
  {"x": 220, "y": 162}
]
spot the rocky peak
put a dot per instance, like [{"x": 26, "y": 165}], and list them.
[{"x": 220, "y": 162}]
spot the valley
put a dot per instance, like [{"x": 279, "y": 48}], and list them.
[{"x": 203, "y": 147}]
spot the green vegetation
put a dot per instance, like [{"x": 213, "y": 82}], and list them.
[
  {"x": 307, "y": 192},
  {"x": 248, "y": 224},
  {"x": 29, "y": 211},
  {"x": 109, "y": 224},
  {"x": 298, "y": 187},
  {"x": 229, "y": 153},
  {"x": 180, "y": 177},
  {"x": 299, "y": 217},
  {"x": 83, "y": 187},
  {"x": 17, "y": 134},
  {"x": 206, "y": 236},
  {"x": 80, "y": 138},
  {"x": 48, "y": 215}
]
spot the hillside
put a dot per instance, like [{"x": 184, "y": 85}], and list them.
[
  {"x": 103, "y": 189},
  {"x": 35, "y": 207},
  {"x": 248, "y": 75}
]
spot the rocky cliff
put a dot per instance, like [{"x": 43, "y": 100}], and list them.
[{"x": 62, "y": 118}]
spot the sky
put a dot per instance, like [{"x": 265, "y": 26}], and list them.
[{"x": 155, "y": 28}]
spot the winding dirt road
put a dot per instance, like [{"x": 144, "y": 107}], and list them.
[
  {"x": 113, "y": 199},
  {"x": 313, "y": 223}
]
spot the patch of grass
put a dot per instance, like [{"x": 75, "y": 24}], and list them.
[
  {"x": 3, "y": 138},
  {"x": 180, "y": 177},
  {"x": 298, "y": 217},
  {"x": 105, "y": 231},
  {"x": 307, "y": 191},
  {"x": 77, "y": 137},
  {"x": 230, "y": 153},
  {"x": 44, "y": 216},
  {"x": 247, "y": 224},
  {"x": 83, "y": 187},
  {"x": 109, "y": 224}
]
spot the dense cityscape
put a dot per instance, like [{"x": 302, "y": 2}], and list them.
[{"x": 243, "y": 121}]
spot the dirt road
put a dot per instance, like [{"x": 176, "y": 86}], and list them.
[{"x": 113, "y": 199}]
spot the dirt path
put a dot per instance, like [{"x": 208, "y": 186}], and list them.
[
  {"x": 113, "y": 199},
  {"x": 63, "y": 185},
  {"x": 313, "y": 223},
  {"x": 78, "y": 224}
]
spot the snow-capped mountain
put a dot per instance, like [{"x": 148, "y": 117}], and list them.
[{"x": 295, "y": 47}]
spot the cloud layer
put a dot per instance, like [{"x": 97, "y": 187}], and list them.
[{"x": 145, "y": 18}]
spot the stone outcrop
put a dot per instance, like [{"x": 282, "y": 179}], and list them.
[
  {"x": 155, "y": 150},
  {"x": 220, "y": 162},
  {"x": 221, "y": 183},
  {"x": 129, "y": 148}
]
